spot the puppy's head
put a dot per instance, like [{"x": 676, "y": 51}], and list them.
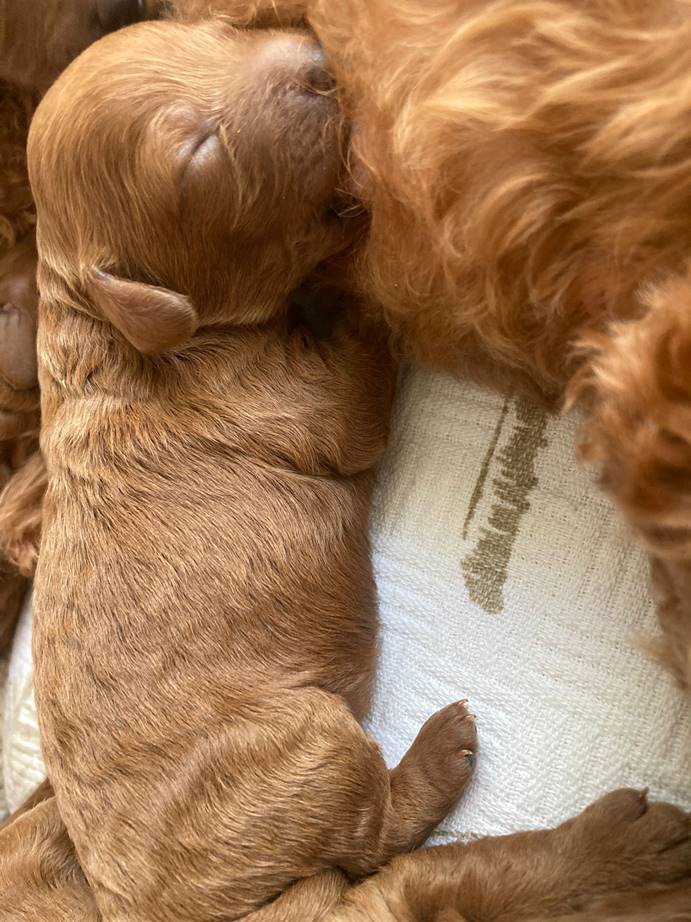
[
  {"x": 39, "y": 38},
  {"x": 185, "y": 175}
]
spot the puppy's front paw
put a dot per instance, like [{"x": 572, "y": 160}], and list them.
[{"x": 632, "y": 843}]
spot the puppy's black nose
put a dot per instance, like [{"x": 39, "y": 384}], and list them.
[
  {"x": 115, "y": 14},
  {"x": 316, "y": 76}
]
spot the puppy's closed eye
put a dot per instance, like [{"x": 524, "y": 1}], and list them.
[{"x": 199, "y": 156}]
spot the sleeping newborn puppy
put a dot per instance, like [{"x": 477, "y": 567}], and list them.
[{"x": 204, "y": 604}]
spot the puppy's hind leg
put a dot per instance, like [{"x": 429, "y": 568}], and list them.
[
  {"x": 424, "y": 787},
  {"x": 432, "y": 775},
  {"x": 287, "y": 787},
  {"x": 636, "y": 387},
  {"x": 620, "y": 855}
]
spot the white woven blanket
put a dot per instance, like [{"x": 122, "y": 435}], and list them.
[{"x": 505, "y": 577}]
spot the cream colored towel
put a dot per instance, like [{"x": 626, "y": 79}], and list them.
[
  {"x": 22, "y": 765},
  {"x": 506, "y": 577}
]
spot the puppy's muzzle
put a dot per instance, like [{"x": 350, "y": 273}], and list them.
[{"x": 316, "y": 77}]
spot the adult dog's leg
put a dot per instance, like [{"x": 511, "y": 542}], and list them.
[{"x": 637, "y": 391}]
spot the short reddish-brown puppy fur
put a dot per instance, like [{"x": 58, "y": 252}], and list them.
[
  {"x": 37, "y": 40},
  {"x": 621, "y": 860},
  {"x": 205, "y": 623}
]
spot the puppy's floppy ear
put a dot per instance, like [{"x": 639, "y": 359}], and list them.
[{"x": 152, "y": 319}]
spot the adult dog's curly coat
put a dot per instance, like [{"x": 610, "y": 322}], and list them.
[{"x": 527, "y": 166}]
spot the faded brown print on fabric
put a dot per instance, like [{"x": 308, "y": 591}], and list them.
[
  {"x": 485, "y": 568},
  {"x": 479, "y": 488}
]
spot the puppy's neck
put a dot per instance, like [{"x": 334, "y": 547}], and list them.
[{"x": 105, "y": 363}]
